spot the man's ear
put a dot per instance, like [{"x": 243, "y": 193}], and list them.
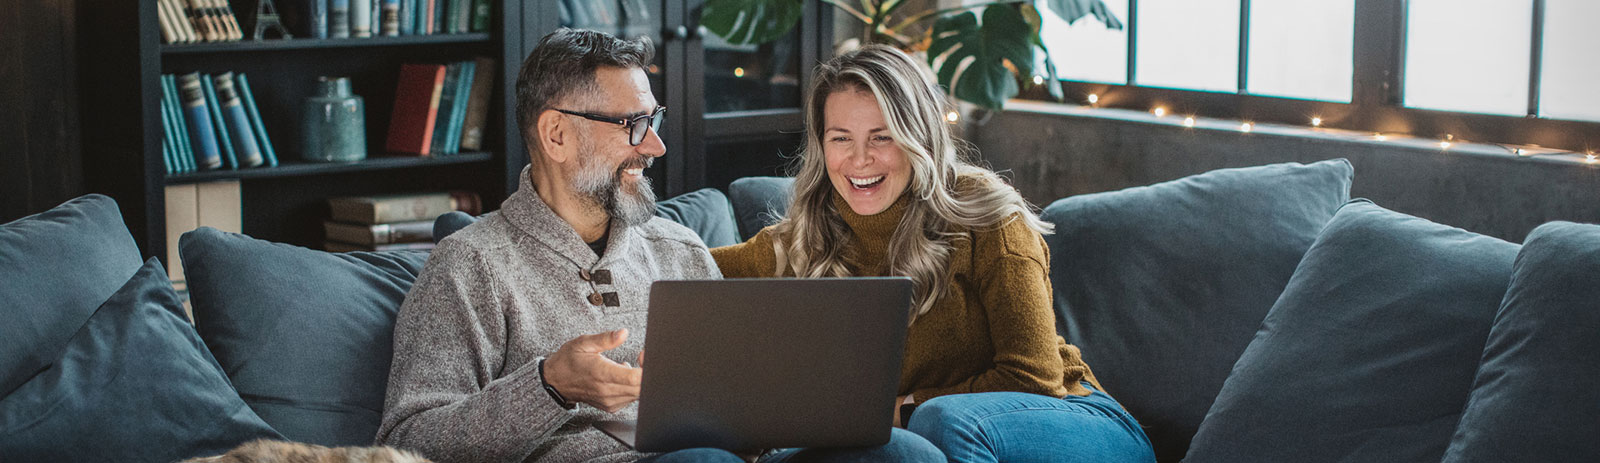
[{"x": 554, "y": 137}]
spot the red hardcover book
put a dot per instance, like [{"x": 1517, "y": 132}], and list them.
[{"x": 416, "y": 108}]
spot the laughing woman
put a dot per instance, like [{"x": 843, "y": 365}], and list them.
[{"x": 881, "y": 189}]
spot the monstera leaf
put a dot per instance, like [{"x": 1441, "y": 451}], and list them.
[
  {"x": 743, "y": 22},
  {"x": 971, "y": 59},
  {"x": 1072, "y": 10}
]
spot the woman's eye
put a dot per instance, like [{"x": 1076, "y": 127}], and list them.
[
  {"x": 881, "y": 140},
  {"x": 839, "y": 139}
]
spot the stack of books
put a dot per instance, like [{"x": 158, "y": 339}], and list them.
[
  {"x": 440, "y": 109},
  {"x": 391, "y": 222},
  {"x": 338, "y": 19},
  {"x": 211, "y": 122},
  {"x": 191, "y": 21}
]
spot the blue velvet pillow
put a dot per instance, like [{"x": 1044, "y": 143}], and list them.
[
  {"x": 305, "y": 335},
  {"x": 706, "y": 211},
  {"x": 56, "y": 267},
  {"x": 133, "y": 384},
  {"x": 759, "y": 202},
  {"x": 1371, "y": 350},
  {"x": 1163, "y": 286},
  {"x": 1537, "y": 392}
]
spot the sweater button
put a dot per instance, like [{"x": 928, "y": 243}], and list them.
[
  {"x": 584, "y": 274},
  {"x": 596, "y": 299}
]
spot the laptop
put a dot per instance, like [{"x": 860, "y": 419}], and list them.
[{"x": 769, "y": 363}]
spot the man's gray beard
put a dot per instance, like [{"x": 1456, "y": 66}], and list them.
[{"x": 603, "y": 187}]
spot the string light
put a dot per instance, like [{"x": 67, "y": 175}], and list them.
[
  {"x": 738, "y": 72},
  {"x": 1094, "y": 98},
  {"x": 1316, "y": 122},
  {"x": 1447, "y": 141},
  {"x": 1590, "y": 158},
  {"x": 952, "y": 116},
  {"x": 1522, "y": 152},
  {"x": 1037, "y": 80},
  {"x": 1246, "y": 127},
  {"x": 1159, "y": 111},
  {"x": 1444, "y": 145},
  {"x": 1188, "y": 121},
  {"x": 1379, "y": 136}
]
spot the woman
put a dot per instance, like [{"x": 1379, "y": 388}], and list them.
[{"x": 881, "y": 189}]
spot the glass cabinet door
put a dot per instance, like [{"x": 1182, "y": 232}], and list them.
[{"x": 752, "y": 77}]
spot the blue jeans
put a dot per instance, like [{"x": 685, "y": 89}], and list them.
[
  {"x": 903, "y": 446},
  {"x": 1017, "y": 427}
]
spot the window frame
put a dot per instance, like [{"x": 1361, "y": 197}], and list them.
[{"x": 1376, "y": 101}]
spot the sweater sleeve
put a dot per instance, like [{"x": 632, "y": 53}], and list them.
[
  {"x": 1014, "y": 290},
  {"x": 751, "y": 259},
  {"x": 447, "y": 397}
]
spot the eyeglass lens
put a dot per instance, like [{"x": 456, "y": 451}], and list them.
[{"x": 652, "y": 122}]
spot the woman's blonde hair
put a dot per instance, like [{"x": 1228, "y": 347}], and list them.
[{"x": 949, "y": 195}]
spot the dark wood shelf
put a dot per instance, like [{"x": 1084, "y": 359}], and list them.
[
  {"x": 300, "y": 169},
  {"x": 303, "y": 44}
]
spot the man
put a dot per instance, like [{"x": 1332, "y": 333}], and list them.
[{"x": 521, "y": 316}]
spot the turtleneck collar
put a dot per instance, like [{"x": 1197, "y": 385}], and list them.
[{"x": 872, "y": 232}]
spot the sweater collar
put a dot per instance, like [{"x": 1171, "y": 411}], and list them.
[
  {"x": 528, "y": 213},
  {"x": 872, "y": 232}
]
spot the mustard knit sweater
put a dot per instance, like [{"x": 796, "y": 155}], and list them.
[{"x": 993, "y": 330}]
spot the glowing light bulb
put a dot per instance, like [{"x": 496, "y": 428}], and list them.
[
  {"x": 1379, "y": 137},
  {"x": 1159, "y": 111},
  {"x": 1444, "y": 145},
  {"x": 738, "y": 72},
  {"x": 1590, "y": 158},
  {"x": 1246, "y": 127},
  {"x": 1316, "y": 122},
  {"x": 1188, "y": 121},
  {"x": 1094, "y": 98},
  {"x": 1038, "y": 80},
  {"x": 1522, "y": 152},
  {"x": 952, "y": 116}
]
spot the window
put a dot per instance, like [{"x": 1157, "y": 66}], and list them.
[
  {"x": 1086, "y": 50},
  {"x": 1468, "y": 55},
  {"x": 1567, "y": 78},
  {"x": 1189, "y": 44},
  {"x": 1301, "y": 49}
]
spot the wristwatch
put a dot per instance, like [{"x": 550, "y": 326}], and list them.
[{"x": 554, "y": 394}]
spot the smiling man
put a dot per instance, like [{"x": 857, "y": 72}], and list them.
[{"x": 521, "y": 317}]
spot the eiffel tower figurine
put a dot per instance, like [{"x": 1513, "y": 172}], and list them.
[{"x": 267, "y": 19}]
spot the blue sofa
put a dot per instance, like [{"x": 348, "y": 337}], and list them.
[{"x": 1254, "y": 314}]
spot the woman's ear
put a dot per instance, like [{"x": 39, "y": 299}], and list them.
[{"x": 553, "y": 137}]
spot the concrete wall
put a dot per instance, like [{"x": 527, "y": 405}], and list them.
[{"x": 1054, "y": 151}]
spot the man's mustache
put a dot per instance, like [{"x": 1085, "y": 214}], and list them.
[{"x": 643, "y": 162}]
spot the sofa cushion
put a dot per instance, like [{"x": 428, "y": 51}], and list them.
[
  {"x": 1537, "y": 392},
  {"x": 759, "y": 202},
  {"x": 1163, "y": 286},
  {"x": 56, "y": 267},
  {"x": 1371, "y": 350},
  {"x": 134, "y": 384},
  {"x": 305, "y": 335},
  {"x": 706, "y": 211}
]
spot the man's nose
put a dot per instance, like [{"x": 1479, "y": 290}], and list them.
[{"x": 652, "y": 145}]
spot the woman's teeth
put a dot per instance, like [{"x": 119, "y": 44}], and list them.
[{"x": 864, "y": 183}]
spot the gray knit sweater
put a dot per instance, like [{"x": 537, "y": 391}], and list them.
[{"x": 496, "y": 297}]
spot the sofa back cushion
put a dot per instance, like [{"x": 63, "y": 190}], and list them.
[
  {"x": 705, "y": 211},
  {"x": 305, "y": 335},
  {"x": 1537, "y": 392},
  {"x": 1162, "y": 286},
  {"x": 56, "y": 267},
  {"x": 133, "y": 383},
  {"x": 759, "y": 202},
  {"x": 1371, "y": 350}
]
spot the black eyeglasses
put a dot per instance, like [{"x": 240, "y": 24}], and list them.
[{"x": 636, "y": 125}]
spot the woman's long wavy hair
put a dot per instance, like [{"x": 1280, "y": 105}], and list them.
[{"x": 949, "y": 195}]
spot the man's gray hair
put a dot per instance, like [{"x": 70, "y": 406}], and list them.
[{"x": 563, "y": 66}]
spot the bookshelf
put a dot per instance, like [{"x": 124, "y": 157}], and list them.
[{"x": 123, "y": 125}]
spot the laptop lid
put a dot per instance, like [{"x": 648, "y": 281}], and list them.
[{"x": 772, "y": 363}]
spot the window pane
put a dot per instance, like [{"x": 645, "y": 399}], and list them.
[
  {"x": 1301, "y": 49},
  {"x": 1567, "y": 83},
  {"x": 1468, "y": 55},
  {"x": 1086, "y": 50},
  {"x": 1188, "y": 44}
]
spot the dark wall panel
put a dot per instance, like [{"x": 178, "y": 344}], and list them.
[
  {"x": 1051, "y": 156},
  {"x": 40, "y": 161}
]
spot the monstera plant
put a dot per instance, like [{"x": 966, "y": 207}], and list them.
[{"x": 978, "y": 51}]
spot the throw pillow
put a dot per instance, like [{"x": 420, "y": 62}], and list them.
[
  {"x": 1369, "y": 353},
  {"x": 759, "y": 202},
  {"x": 56, "y": 267},
  {"x": 133, "y": 384},
  {"x": 305, "y": 335},
  {"x": 1537, "y": 392},
  {"x": 706, "y": 211},
  {"x": 1163, "y": 286}
]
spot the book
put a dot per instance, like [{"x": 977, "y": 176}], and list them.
[
  {"x": 207, "y": 153},
  {"x": 334, "y": 246},
  {"x": 458, "y": 115},
  {"x": 230, "y": 21},
  {"x": 229, "y": 158},
  {"x": 169, "y": 33},
  {"x": 371, "y": 210},
  {"x": 169, "y": 154},
  {"x": 383, "y": 233},
  {"x": 447, "y": 106},
  {"x": 440, "y": 8},
  {"x": 183, "y": 215},
  {"x": 477, "y": 105},
  {"x": 239, "y": 128},
  {"x": 425, "y": 18},
  {"x": 338, "y": 19},
  {"x": 462, "y": 16},
  {"x": 203, "y": 25},
  {"x": 416, "y": 109},
  {"x": 318, "y": 14},
  {"x": 360, "y": 18},
  {"x": 408, "y": 19},
  {"x": 169, "y": 88},
  {"x": 389, "y": 18},
  {"x": 268, "y": 154},
  {"x": 480, "y": 15},
  {"x": 170, "y": 125}
]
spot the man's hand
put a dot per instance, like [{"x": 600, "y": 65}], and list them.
[{"x": 581, "y": 374}]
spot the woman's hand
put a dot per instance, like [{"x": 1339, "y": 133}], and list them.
[{"x": 898, "y": 403}]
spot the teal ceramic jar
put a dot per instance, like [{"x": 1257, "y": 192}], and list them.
[{"x": 335, "y": 128}]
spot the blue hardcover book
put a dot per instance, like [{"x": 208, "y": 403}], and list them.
[
  {"x": 439, "y": 9},
  {"x": 447, "y": 105},
  {"x": 202, "y": 135},
  {"x": 459, "y": 114},
  {"x": 169, "y": 97},
  {"x": 319, "y": 18},
  {"x": 229, "y": 159},
  {"x": 408, "y": 24},
  {"x": 238, "y": 123},
  {"x": 169, "y": 155},
  {"x": 338, "y": 19},
  {"x": 270, "y": 155}
]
